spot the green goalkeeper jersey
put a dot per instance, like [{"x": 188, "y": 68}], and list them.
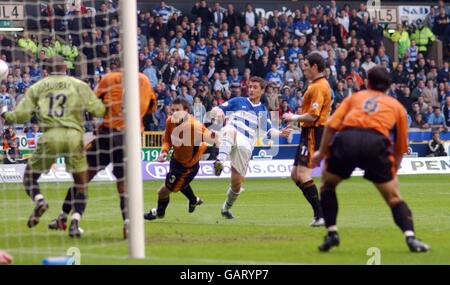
[{"x": 59, "y": 101}]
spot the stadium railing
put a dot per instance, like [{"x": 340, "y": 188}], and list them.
[{"x": 152, "y": 139}]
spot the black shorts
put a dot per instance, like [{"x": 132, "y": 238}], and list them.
[
  {"x": 107, "y": 148},
  {"x": 363, "y": 148},
  {"x": 179, "y": 176},
  {"x": 309, "y": 143}
]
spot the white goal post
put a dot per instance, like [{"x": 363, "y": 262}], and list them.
[{"x": 133, "y": 170}]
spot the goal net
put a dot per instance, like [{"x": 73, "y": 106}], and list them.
[{"x": 87, "y": 35}]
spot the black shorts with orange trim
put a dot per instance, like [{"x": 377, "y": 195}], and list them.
[
  {"x": 309, "y": 143},
  {"x": 179, "y": 176},
  {"x": 363, "y": 148},
  {"x": 107, "y": 148}
]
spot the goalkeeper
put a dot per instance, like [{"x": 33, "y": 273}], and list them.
[
  {"x": 109, "y": 143},
  {"x": 59, "y": 102}
]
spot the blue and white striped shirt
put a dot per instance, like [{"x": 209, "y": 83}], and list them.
[
  {"x": 201, "y": 52},
  {"x": 247, "y": 118},
  {"x": 163, "y": 12}
]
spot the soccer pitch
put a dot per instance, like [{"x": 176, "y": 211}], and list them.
[{"x": 271, "y": 226}]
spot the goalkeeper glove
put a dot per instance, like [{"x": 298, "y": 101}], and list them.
[{"x": 4, "y": 110}]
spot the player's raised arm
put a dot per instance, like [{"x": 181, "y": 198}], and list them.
[
  {"x": 228, "y": 105},
  {"x": 23, "y": 111},
  {"x": 93, "y": 104},
  {"x": 271, "y": 131}
]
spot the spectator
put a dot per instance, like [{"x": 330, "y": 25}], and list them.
[
  {"x": 443, "y": 75},
  {"x": 177, "y": 50},
  {"x": 424, "y": 107},
  {"x": 303, "y": 26},
  {"x": 283, "y": 109},
  {"x": 368, "y": 64},
  {"x": 6, "y": 98},
  {"x": 446, "y": 111},
  {"x": 184, "y": 94},
  {"x": 325, "y": 29},
  {"x": 33, "y": 136},
  {"x": 430, "y": 18},
  {"x": 151, "y": 72},
  {"x": 436, "y": 146},
  {"x": 362, "y": 12},
  {"x": 24, "y": 84},
  {"x": 204, "y": 49},
  {"x": 418, "y": 122},
  {"x": 441, "y": 26},
  {"x": 375, "y": 34},
  {"x": 222, "y": 84},
  {"x": 382, "y": 56},
  {"x": 218, "y": 15},
  {"x": 179, "y": 38},
  {"x": 10, "y": 146},
  {"x": 436, "y": 120},
  {"x": 399, "y": 75},
  {"x": 430, "y": 94},
  {"x": 294, "y": 73},
  {"x": 199, "y": 109},
  {"x": 70, "y": 53},
  {"x": 402, "y": 37},
  {"x": 250, "y": 16},
  {"x": 163, "y": 12},
  {"x": 274, "y": 77},
  {"x": 232, "y": 18},
  {"x": 169, "y": 71},
  {"x": 405, "y": 99},
  {"x": 418, "y": 91},
  {"x": 239, "y": 61},
  {"x": 201, "y": 10},
  {"x": 262, "y": 67},
  {"x": 423, "y": 36},
  {"x": 271, "y": 98},
  {"x": 28, "y": 44},
  {"x": 235, "y": 81}
]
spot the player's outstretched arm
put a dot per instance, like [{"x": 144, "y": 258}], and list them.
[
  {"x": 167, "y": 140},
  {"x": 283, "y": 133},
  {"x": 94, "y": 105},
  {"x": 22, "y": 113},
  {"x": 306, "y": 118}
]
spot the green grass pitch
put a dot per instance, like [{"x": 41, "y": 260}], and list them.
[{"x": 271, "y": 225}]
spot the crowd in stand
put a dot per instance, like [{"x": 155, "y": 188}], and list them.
[{"x": 208, "y": 55}]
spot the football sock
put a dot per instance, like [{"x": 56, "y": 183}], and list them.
[
  {"x": 403, "y": 218},
  {"x": 32, "y": 188},
  {"x": 231, "y": 198},
  {"x": 225, "y": 148},
  {"x": 309, "y": 190},
  {"x": 80, "y": 203},
  {"x": 162, "y": 205},
  {"x": 38, "y": 197},
  {"x": 187, "y": 191},
  {"x": 67, "y": 205},
  {"x": 329, "y": 203},
  {"x": 123, "y": 205}
]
